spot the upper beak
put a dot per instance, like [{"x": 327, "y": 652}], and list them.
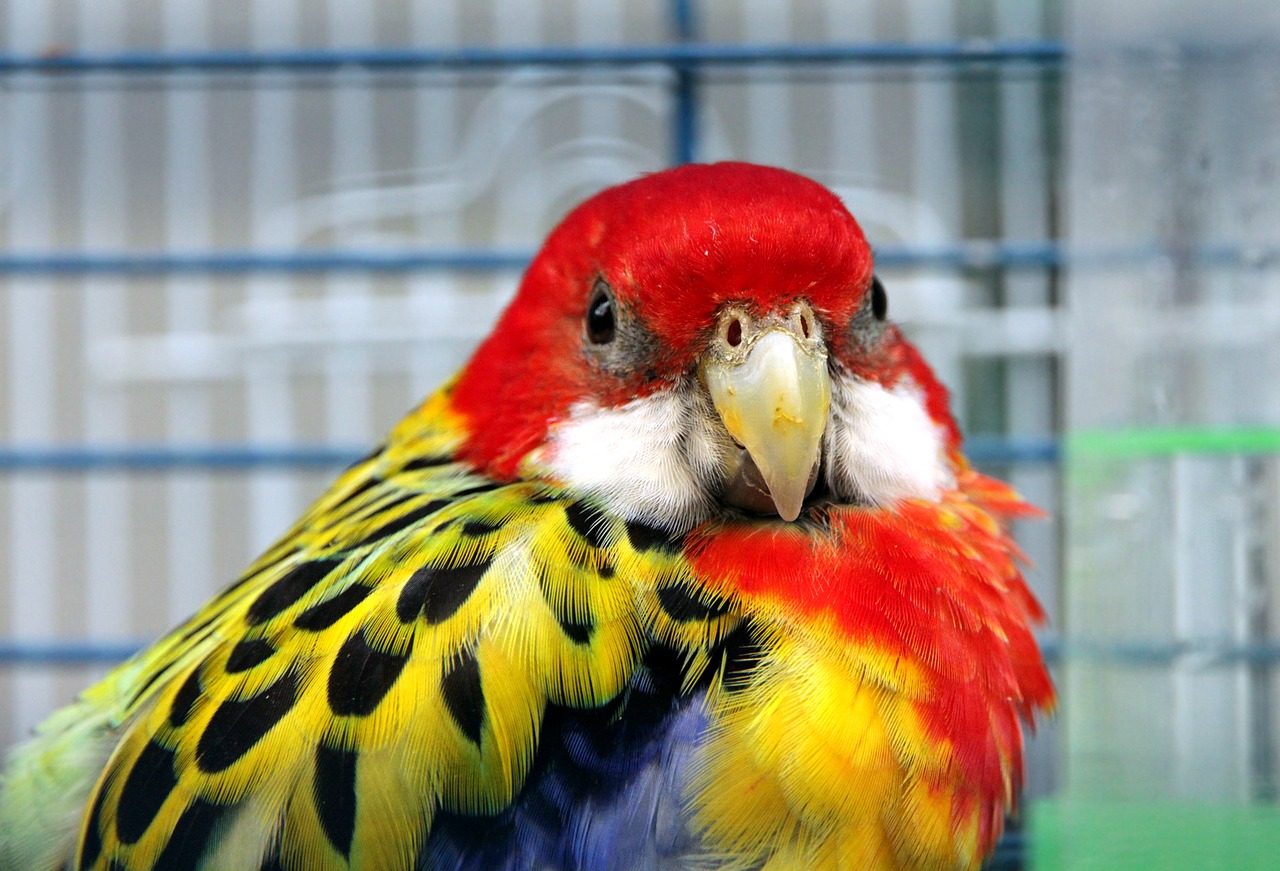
[{"x": 772, "y": 391}]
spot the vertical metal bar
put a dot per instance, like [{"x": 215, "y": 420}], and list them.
[
  {"x": 935, "y": 177},
  {"x": 30, "y": 347},
  {"x": 270, "y": 400},
  {"x": 1030, "y": 399},
  {"x": 521, "y": 206},
  {"x": 685, "y": 92},
  {"x": 435, "y": 147},
  {"x": 348, "y": 385},
  {"x": 770, "y": 134},
  {"x": 600, "y": 23},
  {"x": 1210, "y": 710},
  {"x": 188, "y": 219},
  {"x": 1257, "y": 479},
  {"x": 103, "y": 179},
  {"x": 852, "y": 150}
]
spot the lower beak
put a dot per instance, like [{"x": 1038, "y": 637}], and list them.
[{"x": 774, "y": 403}]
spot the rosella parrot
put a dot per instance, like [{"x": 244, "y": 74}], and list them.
[{"x": 684, "y": 569}]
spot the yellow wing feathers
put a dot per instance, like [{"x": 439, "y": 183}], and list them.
[{"x": 401, "y": 643}]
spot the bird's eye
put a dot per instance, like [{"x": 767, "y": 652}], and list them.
[
  {"x": 600, "y": 315},
  {"x": 879, "y": 300}
]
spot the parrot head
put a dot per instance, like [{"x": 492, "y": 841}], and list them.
[{"x": 708, "y": 339}]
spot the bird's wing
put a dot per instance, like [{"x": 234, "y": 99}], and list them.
[{"x": 390, "y": 659}]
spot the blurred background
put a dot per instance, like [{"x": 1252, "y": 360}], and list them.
[{"x": 239, "y": 240}]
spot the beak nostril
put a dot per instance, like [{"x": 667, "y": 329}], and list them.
[
  {"x": 733, "y": 335},
  {"x": 804, "y": 326}
]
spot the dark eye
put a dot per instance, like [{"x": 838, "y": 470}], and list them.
[
  {"x": 879, "y": 300},
  {"x": 600, "y": 327}
]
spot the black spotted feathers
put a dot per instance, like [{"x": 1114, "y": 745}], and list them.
[{"x": 393, "y": 658}]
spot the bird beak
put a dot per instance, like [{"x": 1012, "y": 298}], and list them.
[{"x": 772, "y": 391}]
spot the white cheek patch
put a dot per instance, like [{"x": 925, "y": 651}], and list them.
[
  {"x": 881, "y": 444},
  {"x": 649, "y": 460},
  {"x": 660, "y": 459}
]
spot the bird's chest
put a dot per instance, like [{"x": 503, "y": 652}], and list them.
[{"x": 872, "y": 723}]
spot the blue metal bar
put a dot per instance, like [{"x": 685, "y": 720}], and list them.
[
  {"x": 963, "y": 256},
  {"x": 1040, "y": 53},
  {"x": 239, "y": 262},
  {"x": 1203, "y": 654},
  {"x": 685, "y": 90},
  {"x": 156, "y": 458},
  {"x": 66, "y": 653},
  {"x": 969, "y": 255},
  {"x": 1013, "y": 449},
  {"x": 976, "y": 255}
]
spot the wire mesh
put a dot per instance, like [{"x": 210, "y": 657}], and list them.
[{"x": 235, "y": 246}]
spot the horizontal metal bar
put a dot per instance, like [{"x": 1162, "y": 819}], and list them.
[
  {"x": 157, "y": 458},
  {"x": 680, "y": 55},
  {"x": 968, "y": 255},
  {"x": 66, "y": 653},
  {"x": 1200, "y": 654},
  {"x": 986, "y": 254},
  {"x": 978, "y": 255},
  {"x": 240, "y": 262},
  {"x": 1013, "y": 449}
]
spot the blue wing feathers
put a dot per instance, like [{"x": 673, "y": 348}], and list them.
[{"x": 605, "y": 792}]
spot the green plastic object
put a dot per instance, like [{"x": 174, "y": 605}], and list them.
[
  {"x": 1163, "y": 442},
  {"x": 1077, "y": 835}
]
